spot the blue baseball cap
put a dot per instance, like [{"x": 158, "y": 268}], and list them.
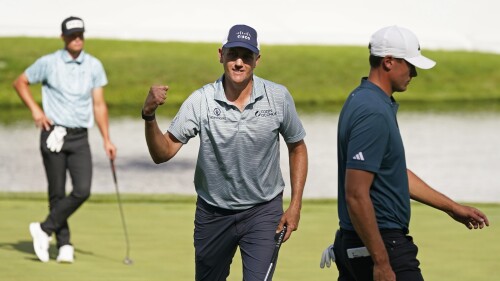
[{"x": 242, "y": 36}]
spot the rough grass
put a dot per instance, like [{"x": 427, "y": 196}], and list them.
[{"x": 319, "y": 77}]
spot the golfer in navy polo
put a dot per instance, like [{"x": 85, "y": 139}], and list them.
[
  {"x": 374, "y": 184},
  {"x": 239, "y": 119}
]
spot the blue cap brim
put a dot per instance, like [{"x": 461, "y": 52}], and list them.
[{"x": 243, "y": 45}]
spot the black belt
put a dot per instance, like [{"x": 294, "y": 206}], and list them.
[
  {"x": 215, "y": 209},
  {"x": 71, "y": 130},
  {"x": 382, "y": 231},
  {"x": 75, "y": 130},
  {"x": 226, "y": 212}
]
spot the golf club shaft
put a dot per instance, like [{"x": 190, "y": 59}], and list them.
[
  {"x": 121, "y": 209},
  {"x": 274, "y": 258}
]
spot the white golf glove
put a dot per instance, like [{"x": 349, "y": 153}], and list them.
[
  {"x": 55, "y": 140},
  {"x": 327, "y": 257}
]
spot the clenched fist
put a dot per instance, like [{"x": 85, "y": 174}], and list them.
[{"x": 156, "y": 97}]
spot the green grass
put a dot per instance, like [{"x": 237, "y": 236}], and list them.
[
  {"x": 319, "y": 77},
  {"x": 161, "y": 230}
]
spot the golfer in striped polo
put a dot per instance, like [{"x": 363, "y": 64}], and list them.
[{"x": 239, "y": 119}]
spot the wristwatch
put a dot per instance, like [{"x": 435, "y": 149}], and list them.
[{"x": 147, "y": 117}]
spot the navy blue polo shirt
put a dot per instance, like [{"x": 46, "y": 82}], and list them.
[{"x": 369, "y": 140}]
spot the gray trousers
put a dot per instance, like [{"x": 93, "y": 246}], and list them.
[
  {"x": 219, "y": 232},
  {"x": 74, "y": 157}
]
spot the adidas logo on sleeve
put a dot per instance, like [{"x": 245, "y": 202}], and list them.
[{"x": 359, "y": 156}]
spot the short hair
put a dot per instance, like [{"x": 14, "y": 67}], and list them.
[{"x": 375, "y": 61}]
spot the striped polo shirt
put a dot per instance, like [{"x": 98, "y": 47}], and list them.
[
  {"x": 67, "y": 86},
  {"x": 239, "y": 156}
]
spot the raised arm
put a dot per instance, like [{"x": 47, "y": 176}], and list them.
[
  {"x": 420, "y": 191},
  {"x": 162, "y": 147}
]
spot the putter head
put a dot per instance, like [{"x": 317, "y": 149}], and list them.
[{"x": 127, "y": 261}]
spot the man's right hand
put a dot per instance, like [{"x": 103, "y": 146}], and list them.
[
  {"x": 156, "y": 97},
  {"x": 383, "y": 273},
  {"x": 41, "y": 120}
]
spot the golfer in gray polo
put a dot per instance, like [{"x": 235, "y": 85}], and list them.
[{"x": 239, "y": 119}]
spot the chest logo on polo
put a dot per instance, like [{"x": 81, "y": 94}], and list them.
[
  {"x": 216, "y": 114},
  {"x": 359, "y": 156},
  {"x": 265, "y": 113}
]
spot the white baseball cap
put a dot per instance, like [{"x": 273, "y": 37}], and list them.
[{"x": 400, "y": 43}]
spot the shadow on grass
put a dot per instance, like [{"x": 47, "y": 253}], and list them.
[
  {"x": 21, "y": 246},
  {"x": 27, "y": 248}
]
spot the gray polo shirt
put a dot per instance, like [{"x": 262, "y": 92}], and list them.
[
  {"x": 239, "y": 156},
  {"x": 369, "y": 140},
  {"x": 67, "y": 86}
]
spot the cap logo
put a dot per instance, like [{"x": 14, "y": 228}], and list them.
[
  {"x": 74, "y": 24},
  {"x": 244, "y": 35}
]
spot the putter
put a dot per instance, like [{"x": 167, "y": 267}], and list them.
[
  {"x": 279, "y": 239},
  {"x": 127, "y": 260}
]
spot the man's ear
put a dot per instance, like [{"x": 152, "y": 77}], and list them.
[
  {"x": 387, "y": 63},
  {"x": 257, "y": 60},
  {"x": 220, "y": 55}
]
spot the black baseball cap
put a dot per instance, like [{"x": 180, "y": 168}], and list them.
[{"x": 72, "y": 25}]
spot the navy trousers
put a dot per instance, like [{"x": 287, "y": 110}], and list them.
[{"x": 219, "y": 232}]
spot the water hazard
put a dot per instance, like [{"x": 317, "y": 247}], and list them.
[{"x": 455, "y": 153}]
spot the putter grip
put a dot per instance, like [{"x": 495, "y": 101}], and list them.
[{"x": 280, "y": 237}]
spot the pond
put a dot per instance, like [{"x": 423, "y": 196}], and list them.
[{"x": 456, "y": 153}]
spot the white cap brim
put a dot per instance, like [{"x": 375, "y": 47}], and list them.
[{"x": 421, "y": 62}]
